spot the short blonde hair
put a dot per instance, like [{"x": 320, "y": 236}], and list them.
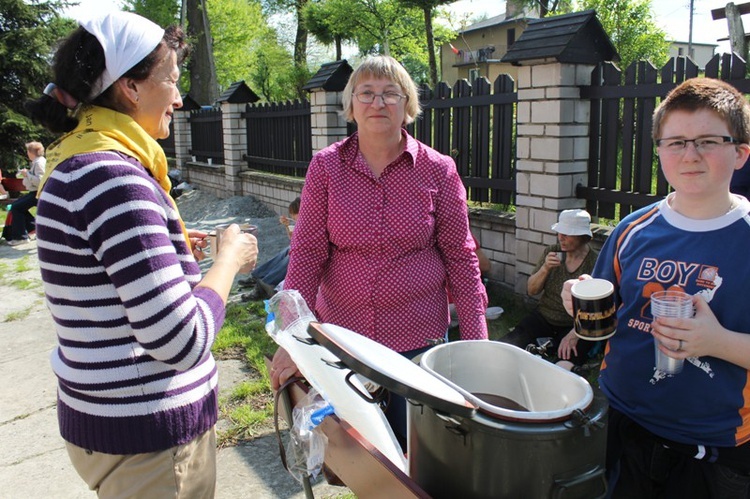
[
  {"x": 383, "y": 66},
  {"x": 35, "y": 147}
]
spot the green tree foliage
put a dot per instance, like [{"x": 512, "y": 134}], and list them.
[
  {"x": 239, "y": 32},
  {"x": 380, "y": 27},
  {"x": 428, "y": 11},
  {"x": 28, "y": 31},
  {"x": 322, "y": 21},
  {"x": 245, "y": 48},
  {"x": 631, "y": 26},
  {"x": 301, "y": 71},
  {"x": 162, "y": 12}
]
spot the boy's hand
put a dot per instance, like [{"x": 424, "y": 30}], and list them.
[
  {"x": 567, "y": 298},
  {"x": 692, "y": 337}
]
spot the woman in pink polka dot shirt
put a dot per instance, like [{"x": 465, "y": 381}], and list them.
[{"x": 383, "y": 229}]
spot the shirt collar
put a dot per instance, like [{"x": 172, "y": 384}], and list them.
[{"x": 350, "y": 148}]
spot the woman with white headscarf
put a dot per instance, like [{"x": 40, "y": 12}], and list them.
[{"x": 137, "y": 392}]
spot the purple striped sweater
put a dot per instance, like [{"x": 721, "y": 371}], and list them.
[{"x": 133, "y": 362}]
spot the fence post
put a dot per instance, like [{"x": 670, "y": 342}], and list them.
[
  {"x": 552, "y": 144},
  {"x": 234, "y": 127},
  {"x": 325, "y": 87},
  {"x": 183, "y": 140},
  {"x": 327, "y": 125},
  {"x": 552, "y": 155}
]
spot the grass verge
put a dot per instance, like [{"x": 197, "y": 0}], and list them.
[{"x": 248, "y": 410}]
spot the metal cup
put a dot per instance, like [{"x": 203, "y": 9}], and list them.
[
  {"x": 214, "y": 237},
  {"x": 670, "y": 304}
]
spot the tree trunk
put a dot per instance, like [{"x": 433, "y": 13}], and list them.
[
  {"x": 337, "y": 39},
  {"x": 300, "y": 48},
  {"x": 204, "y": 87},
  {"x": 430, "y": 46}
]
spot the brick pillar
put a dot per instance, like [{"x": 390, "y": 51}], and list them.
[
  {"x": 234, "y": 128},
  {"x": 552, "y": 154},
  {"x": 182, "y": 139},
  {"x": 328, "y": 126}
]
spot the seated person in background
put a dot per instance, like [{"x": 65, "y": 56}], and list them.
[
  {"x": 22, "y": 221},
  {"x": 267, "y": 276},
  {"x": 3, "y": 192},
  {"x": 568, "y": 259}
]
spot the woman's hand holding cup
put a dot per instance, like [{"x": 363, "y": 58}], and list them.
[
  {"x": 552, "y": 260},
  {"x": 198, "y": 243},
  {"x": 240, "y": 248}
]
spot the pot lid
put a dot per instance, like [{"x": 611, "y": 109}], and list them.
[{"x": 390, "y": 369}]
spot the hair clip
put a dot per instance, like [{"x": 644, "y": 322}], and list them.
[{"x": 60, "y": 96}]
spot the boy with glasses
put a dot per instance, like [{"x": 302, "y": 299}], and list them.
[{"x": 683, "y": 435}]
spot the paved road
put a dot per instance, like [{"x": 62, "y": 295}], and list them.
[{"x": 33, "y": 460}]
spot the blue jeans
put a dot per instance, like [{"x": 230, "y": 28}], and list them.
[
  {"x": 274, "y": 270},
  {"x": 23, "y": 221}
]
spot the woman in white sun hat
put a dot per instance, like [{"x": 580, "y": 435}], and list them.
[{"x": 569, "y": 258}]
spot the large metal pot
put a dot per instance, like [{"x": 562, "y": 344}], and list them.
[
  {"x": 545, "y": 439},
  {"x": 554, "y": 449}
]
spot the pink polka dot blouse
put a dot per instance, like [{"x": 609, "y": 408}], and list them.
[{"x": 377, "y": 255}]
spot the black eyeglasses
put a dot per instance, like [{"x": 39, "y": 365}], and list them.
[
  {"x": 389, "y": 98},
  {"x": 706, "y": 144}
]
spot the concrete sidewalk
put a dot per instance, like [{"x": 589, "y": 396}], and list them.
[{"x": 33, "y": 460}]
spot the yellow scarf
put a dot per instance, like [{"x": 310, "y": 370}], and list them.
[{"x": 103, "y": 129}]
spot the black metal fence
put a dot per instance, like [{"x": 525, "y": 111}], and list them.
[
  {"x": 207, "y": 135},
  {"x": 279, "y": 137},
  {"x": 623, "y": 167},
  {"x": 475, "y": 124}
]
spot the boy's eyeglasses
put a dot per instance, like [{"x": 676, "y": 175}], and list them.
[
  {"x": 389, "y": 98},
  {"x": 702, "y": 144}
]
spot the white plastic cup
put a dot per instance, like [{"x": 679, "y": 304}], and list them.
[{"x": 670, "y": 304}]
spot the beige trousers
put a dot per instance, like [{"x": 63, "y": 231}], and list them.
[{"x": 185, "y": 471}]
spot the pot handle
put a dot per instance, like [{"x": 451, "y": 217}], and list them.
[
  {"x": 561, "y": 488},
  {"x": 372, "y": 398},
  {"x": 451, "y": 424},
  {"x": 579, "y": 418}
]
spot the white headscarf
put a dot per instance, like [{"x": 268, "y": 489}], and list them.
[{"x": 126, "y": 38}]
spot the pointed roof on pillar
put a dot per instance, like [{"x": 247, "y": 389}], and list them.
[
  {"x": 188, "y": 103},
  {"x": 331, "y": 76},
  {"x": 238, "y": 93},
  {"x": 576, "y": 38}
]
